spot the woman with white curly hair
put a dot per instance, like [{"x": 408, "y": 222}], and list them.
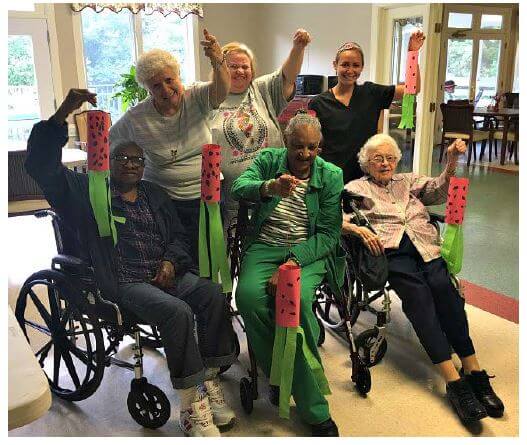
[
  {"x": 171, "y": 127},
  {"x": 394, "y": 204}
]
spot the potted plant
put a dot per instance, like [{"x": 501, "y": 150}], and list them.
[{"x": 129, "y": 90}]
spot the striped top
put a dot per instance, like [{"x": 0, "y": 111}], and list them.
[
  {"x": 288, "y": 223},
  {"x": 399, "y": 208}
]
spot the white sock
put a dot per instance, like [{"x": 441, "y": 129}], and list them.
[
  {"x": 186, "y": 397},
  {"x": 211, "y": 373}
]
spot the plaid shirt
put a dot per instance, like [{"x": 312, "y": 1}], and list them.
[
  {"x": 140, "y": 247},
  {"x": 400, "y": 207}
]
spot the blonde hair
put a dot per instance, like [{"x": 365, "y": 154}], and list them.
[
  {"x": 371, "y": 144},
  {"x": 152, "y": 63},
  {"x": 237, "y": 47}
]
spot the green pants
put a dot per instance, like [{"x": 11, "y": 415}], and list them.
[{"x": 257, "y": 309}]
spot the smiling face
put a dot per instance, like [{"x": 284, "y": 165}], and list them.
[
  {"x": 349, "y": 67},
  {"x": 239, "y": 65},
  {"x": 127, "y": 165},
  {"x": 302, "y": 149},
  {"x": 166, "y": 89},
  {"x": 382, "y": 163}
]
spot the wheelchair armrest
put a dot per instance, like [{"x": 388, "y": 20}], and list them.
[
  {"x": 436, "y": 218},
  {"x": 349, "y": 200},
  {"x": 71, "y": 262}
]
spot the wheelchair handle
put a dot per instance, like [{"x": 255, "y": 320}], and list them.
[{"x": 44, "y": 213}]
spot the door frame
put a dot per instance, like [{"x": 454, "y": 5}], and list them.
[
  {"x": 380, "y": 61},
  {"x": 476, "y": 34}
]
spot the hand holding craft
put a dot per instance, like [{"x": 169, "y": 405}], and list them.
[
  {"x": 416, "y": 41},
  {"x": 301, "y": 38},
  {"x": 212, "y": 48}
]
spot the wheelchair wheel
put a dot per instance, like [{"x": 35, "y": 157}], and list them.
[
  {"x": 246, "y": 395},
  {"x": 363, "y": 382},
  {"x": 67, "y": 341},
  {"x": 147, "y": 404},
  {"x": 322, "y": 334},
  {"x": 237, "y": 351},
  {"x": 365, "y": 343}
]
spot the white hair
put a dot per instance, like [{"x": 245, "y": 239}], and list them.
[
  {"x": 152, "y": 63},
  {"x": 372, "y": 144}
]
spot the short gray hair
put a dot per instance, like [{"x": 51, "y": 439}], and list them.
[
  {"x": 116, "y": 148},
  {"x": 153, "y": 62},
  {"x": 301, "y": 120},
  {"x": 374, "y": 142}
]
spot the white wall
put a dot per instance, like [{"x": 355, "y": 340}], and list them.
[
  {"x": 268, "y": 29},
  {"x": 330, "y": 25}
]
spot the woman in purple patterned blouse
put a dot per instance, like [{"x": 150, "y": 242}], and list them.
[{"x": 395, "y": 204}]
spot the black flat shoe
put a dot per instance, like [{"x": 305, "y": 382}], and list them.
[
  {"x": 325, "y": 429},
  {"x": 480, "y": 385},
  {"x": 467, "y": 406}
]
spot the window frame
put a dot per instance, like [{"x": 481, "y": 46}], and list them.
[{"x": 192, "y": 72}]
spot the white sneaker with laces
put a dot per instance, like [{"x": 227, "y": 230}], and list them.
[
  {"x": 223, "y": 415},
  {"x": 197, "y": 420}
]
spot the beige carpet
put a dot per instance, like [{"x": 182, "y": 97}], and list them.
[{"x": 407, "y": 397}]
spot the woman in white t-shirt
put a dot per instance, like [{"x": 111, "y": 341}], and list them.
[
  {"x": 171, "y": 126},
  {"x": 247, "y": 120}
]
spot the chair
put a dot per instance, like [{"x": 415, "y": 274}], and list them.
[
  {"x": 68, "y": 326},
  {"x": 512, "y": 140},
  {"x": 458, "y": 124},
  {"x": 512, "y": 100}
]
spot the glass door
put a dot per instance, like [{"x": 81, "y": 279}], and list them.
[
  {"x": 30, "y": 86},
  {"x": 402, "y": 30}
]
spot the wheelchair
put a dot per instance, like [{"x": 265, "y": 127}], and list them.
[
  {"x": 76, "y": 332},
  {"x": 340, "y": 314},
  {"x": 236, "y": 232}
]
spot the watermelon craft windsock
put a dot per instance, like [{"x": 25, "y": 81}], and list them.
[
  {"x": 287, "y": 319},
  {"x": 410, "y": 90},
  {"x": 98, "y": 123},
  {"x": 211, "y": 243},
  {"x": 452, "y": 247}
]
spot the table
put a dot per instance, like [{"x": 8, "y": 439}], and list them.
[
  {"x": 29, "y": 394},
  {"x": 507, "y": 114}
]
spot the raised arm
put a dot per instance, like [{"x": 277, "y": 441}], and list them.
[
  {"x": 414, "y": 44},
  {"x": 221, "y": 79},
  {"x": 293, "y": 64}
]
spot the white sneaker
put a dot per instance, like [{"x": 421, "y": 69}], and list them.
[
  {"x": 221, "y": 413},
  {"x": 197, "y": 421}
]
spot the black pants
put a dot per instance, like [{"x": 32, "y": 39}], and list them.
[
  {"x": 188, "y": 212},
  {"x": 430, "y": 301}
]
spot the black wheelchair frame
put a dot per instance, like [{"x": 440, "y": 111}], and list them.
[{"x": 73, "y": 316}]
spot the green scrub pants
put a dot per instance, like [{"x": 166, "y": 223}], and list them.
[{"x": 257, "y": 309}]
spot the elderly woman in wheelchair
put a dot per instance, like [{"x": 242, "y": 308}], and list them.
[
  {"x": 149, "y": 272},
  {"x": 296, "y": 221},
  {"x": 395, "y": 204}
]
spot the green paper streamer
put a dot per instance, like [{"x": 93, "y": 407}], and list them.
[
  {"x": 213, "y": 263},
  {"x": 407, "y": 113},
  {"x": 452, "y": 248},
  {"x": 203, "y": 254},
  {"x": 283, "y": 363},
  {"x": 101, "y": 201}
]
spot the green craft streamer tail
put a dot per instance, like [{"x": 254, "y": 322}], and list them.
[
  {"x": 218, "y": 250},
  {"x": 452, "y": 248},
  {"x": 100, "y": 200},
  {"x": 204, "y": 263},
  {"x": 407, "y": 113}
]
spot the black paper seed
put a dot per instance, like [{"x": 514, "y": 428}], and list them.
[
  {"x": 217, "y": 164},
  {"x": 292, "y": 313},
  {"x": 208, "y": 197},
  {"x": 208, "y": 175},
  {"x": 95, "y": 143},
  {"x": 297, "y": 278},
  {"x": 105, "y": 139},
  {"x": 282, "y": 311},
  {"x": 283, "y": 296},
  {"x": 455, "y": 187},
  {"x": 210, "y": 165},
  {"x": 292, "y": 303},
  {"x": 290, "y": 284},
  {"x": 207, "y": 182},
  {"x": 210, "y": 153},
  {"x": 100, "y": 164},
  {"x": 217, "y": 189}
]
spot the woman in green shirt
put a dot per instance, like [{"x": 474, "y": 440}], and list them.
[{"x": 297, "y": 221}]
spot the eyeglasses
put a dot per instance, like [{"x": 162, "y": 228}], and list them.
[
  {"x": 138, "y": 161},
  {"x": 378, "y": 159},
  {"x": 243, "y": 67}
]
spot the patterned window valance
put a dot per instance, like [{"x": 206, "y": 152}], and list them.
[{"x": 181, "y": 9}]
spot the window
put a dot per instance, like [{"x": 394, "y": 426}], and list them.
[
  {"x": 491, "y": 21},
  {"x": 459, "y": 20},
  {"x": 112, "y": 40}
]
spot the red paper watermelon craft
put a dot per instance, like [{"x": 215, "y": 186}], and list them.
[
  {"x": 287, "y": 298},
  {"x": 210, "y": 173},
  {"x": 457, "y": 200},
  {"x": 98, "y": 146}
]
